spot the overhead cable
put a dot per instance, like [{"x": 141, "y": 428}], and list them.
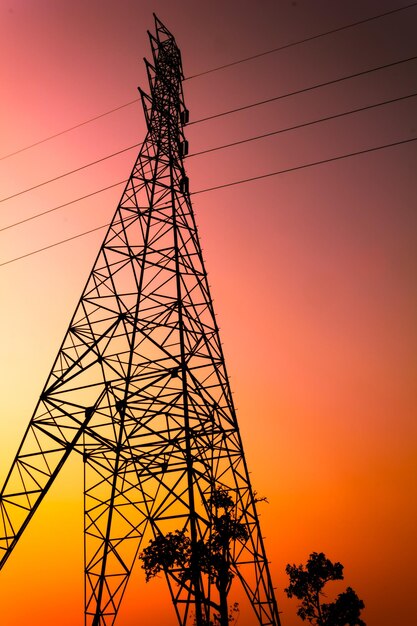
[
  {"x": 231, "y": 184},
  {"x": 301, "y": 41},
  {"x": 229, "y": 112},
  {"x": 304, "y": 124},
  {"x": 305, "y": 166},
  {"x": 201, "y": 152},
  {"x": 215, "y": 69},
  {"x": 58, "y": 243},
  {"x": 61, "y": 206},
  {"x": 77, "y": 169},
  {"x": 304, "y": 90},
  {"x": 67, "y": 130}
]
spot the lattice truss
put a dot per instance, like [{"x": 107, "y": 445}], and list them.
[{"x": 139, "y": 388}]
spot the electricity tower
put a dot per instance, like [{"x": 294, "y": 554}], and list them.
[{"x": 139, "y": 388}]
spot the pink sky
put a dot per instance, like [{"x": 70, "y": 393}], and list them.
[{"x": 313, "y": 272}]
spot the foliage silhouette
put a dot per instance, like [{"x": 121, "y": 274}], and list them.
[
  {"x": 166, "y": 552},
  {"x": 307, "y": 585},
  {"x": 173, "y": 553}
]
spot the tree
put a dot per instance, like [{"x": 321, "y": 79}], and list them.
[
  {"x": 307, "y": 584},
  {"x": 173, "y": 553},
  {"x": 216, "y": 552}
]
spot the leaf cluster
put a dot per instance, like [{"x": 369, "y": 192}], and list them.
[
  {"x": 174, "y": 550},
  {"x": 166, "y": 552},
  {"x": 344, "y": 610},
  {"x": 306, "y": 584},
  {"x": 221, "y": 499},
  {"x": 309, "y": 581},
  {"x": 214, "y": 554}
]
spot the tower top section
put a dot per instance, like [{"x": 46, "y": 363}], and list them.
[
  {"x": 164, "y": 106},
  {"x": 164, "y": 47}
]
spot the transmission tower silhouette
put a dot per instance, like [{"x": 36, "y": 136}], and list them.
[{"x": 139, "y": 388}]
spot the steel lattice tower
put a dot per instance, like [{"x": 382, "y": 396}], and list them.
[{"x": 139, "y": 388}]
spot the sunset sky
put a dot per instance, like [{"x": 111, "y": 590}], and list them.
[{"x": 313, "y": 271}]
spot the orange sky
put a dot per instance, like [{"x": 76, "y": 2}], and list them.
[{"x": 313, "y": 272}]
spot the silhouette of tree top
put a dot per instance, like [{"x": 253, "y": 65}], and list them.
[
  {"x": 165, "y": 552},
  {"x": 174, "y": 553},
  {"x": 306, "y": 584}
]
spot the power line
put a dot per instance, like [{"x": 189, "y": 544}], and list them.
[
  {"x": 61, "y": 206},
  {"x": 77, "y": 169},
  {"x": 229, "y": 112},
  {"x": 208, "y": 150},
  {"x": 305, "y": 89},
  {"x": 67, "y": 130},
  {"x": 53, "y": 245},
  {"x": 305, "y": 166},
  {"x": 301, "y": 41},
  {"x": 231, "y": 184},
  {"x": 215, "y": 69},
  {"x": 305, "y": 124}
]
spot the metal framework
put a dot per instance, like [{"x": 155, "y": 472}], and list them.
[{"x": 139, "y": 388}]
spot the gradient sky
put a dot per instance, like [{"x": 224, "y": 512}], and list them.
[{"x": 313, "y": 272}]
